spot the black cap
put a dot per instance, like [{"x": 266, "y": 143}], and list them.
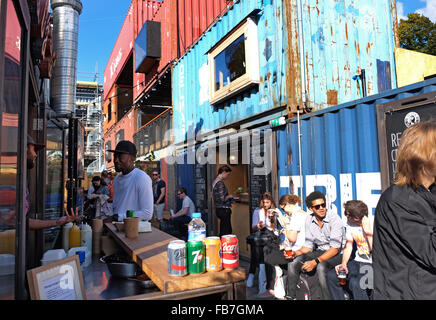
[
  {"x": 38, "y": 146},
  {"x": 125, "y": 146}
]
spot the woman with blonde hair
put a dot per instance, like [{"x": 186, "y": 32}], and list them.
[
  {"x": 262, "y": 218},
  {"x": 404, "y": 254}
]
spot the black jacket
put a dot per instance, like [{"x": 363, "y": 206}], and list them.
[{"x": 404, "y": 254}]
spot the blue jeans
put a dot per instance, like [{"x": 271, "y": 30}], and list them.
[
  {"x": 294, "y": 271},
  {"x": 182, "y": 219},
  {"x": 353, "y": 285}
]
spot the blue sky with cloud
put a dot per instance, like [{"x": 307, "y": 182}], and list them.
[{"x": 424, "y": 7}]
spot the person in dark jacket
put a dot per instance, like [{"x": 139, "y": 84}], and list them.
[
  {"x": 404, "y": 254},
  {"x": 223, "y": 200}
]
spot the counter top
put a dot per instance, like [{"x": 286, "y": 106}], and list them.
[{"x": 149, "y": 251}]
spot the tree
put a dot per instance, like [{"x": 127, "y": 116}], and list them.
[{"x": 418, "y": 33}]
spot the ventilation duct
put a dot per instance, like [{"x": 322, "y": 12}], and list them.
[{"x": 65, "y": 44}]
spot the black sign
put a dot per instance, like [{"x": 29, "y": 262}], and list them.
[
  {"x": 259, "y": 183},
  {"x": 394, "y": 118},
  {"x": 200, "y": 187}
]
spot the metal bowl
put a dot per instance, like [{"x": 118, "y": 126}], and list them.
[{"x": 122, "y": 269}]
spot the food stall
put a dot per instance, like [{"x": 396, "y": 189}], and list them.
[{"x": 149, "y": 252}]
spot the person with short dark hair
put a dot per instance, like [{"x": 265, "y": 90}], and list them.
[
  {"x": 132, "y": 187},
  {"x": 223, "y": 200},
  {"x": 322, "y": 248},
  {"x": 184, "y": 215},
  {"x": 359, "y": 229},
  {"x": 96, "y": 192},
  {"x": 404, "y": 256},
  {"x": 159, "y": 190}
]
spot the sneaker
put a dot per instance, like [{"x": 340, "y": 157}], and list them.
[
  {"x": 289, "y": 298},
  {"x": 250, "y": 280}
]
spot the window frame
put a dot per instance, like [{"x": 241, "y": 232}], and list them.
[
  {"x": 22, "y": 10},
  {"x": 252, "y": 75}
]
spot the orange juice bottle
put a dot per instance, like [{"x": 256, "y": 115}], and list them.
[{"x": 74, "y": 239}]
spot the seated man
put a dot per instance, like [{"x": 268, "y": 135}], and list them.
[
  {"x": 322, "y": 249},
  {"x": 359, "y": 229},
  {"x": 184, "y": 215}
]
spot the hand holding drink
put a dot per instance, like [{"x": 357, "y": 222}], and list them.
[
  {"x": 288, "y": 253},
  {"x": 342, "y": 271}
]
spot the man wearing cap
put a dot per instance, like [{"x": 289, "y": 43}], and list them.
[
  {"x": 34, "y": 224},
  {"x": 132, "y": 187}
]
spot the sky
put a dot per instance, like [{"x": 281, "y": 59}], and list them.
[
  {"x": 424, "y": 7},
  {"x": 101, "y": 21},
  {"x": 99, "y": 25}
]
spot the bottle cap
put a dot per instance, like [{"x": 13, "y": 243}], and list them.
[{"x": 196, "y": 215}]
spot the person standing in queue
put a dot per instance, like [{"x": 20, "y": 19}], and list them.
[
  {"x": 159, "y": 190},
  {"x": 404, "y": 255},
  {"x": 223, "y": 200},
  {"x": 132, "y": 187}
]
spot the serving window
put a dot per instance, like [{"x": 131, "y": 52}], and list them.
[{"x": 234, "y": 62}]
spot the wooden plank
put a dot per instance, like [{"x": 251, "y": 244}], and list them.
[
  {"x": 149, "y": 251},
  {"x": 226, "y": 290}
]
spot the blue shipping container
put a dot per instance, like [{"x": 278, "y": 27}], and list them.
[
  {"x": 339, "y": 150},
  {"x": 339, "y": 39}
]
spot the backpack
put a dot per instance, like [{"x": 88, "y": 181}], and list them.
[{"x": 308, "y": 287}]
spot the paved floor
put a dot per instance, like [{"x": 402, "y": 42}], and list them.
[{"x": 253, "y": 291}]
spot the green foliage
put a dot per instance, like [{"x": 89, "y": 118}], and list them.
[{"x": 418, "y": 33}]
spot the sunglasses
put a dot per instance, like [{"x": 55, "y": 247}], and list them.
[
  {"x": 319, "y": 206},
  {"x": 155, "y": 174}
]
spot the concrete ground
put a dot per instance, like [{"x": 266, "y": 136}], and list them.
[{"x": 252, "y": 292}]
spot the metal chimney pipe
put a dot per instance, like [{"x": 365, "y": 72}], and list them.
[{"x": 65, "y": 44}]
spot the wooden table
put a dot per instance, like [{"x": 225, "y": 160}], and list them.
[{"x": 149, "y": 251}]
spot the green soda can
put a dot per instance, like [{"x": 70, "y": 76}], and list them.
[
  {"x": 130, "y": 213},
  {"x": 196, "y": 257}
]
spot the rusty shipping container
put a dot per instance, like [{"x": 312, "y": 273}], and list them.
[
  {"x": 335, "y": 41},
  {"x": 341, "y": 38}
]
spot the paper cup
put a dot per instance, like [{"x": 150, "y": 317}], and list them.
[{"x": 131, "y": 227}]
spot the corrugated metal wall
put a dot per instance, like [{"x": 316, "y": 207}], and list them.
[
  {"x": 339, "y": 37},
  {"x": 190, "y": 84},
  {"x": 194, "y": 17},
  {"x": 340, "y": 154},
  {"x": 120, "y": 53}
]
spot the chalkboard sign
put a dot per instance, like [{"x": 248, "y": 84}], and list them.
[
  {"x": 200, "y": 187},
  {"x": 259, "y": 184},
  {"x": 392, "y": 119}
]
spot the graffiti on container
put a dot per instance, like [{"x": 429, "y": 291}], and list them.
[{"x": 339, "y": 189}]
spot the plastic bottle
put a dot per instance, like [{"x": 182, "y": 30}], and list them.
[
  {"x": 86, "y": 236},
  {"x": 196, "y": 228},
  {"x": 65, "y": 235},
  {"x": 74, "y": 239}
]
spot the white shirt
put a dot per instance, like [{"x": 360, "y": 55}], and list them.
[
  {"x": 259, "y": 215},
  {"x": 187, "y": 203},
  {"x": 133, "y": 191},
  {"x": 298, "y": 223},
  {"x": 355, "y": 233}
]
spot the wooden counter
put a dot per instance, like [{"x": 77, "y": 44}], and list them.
[{"x": 149, "y": 251}]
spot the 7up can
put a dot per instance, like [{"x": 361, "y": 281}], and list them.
[{"x": 196, "y": 257}]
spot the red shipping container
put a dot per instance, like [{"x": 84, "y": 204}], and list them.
[{"x": 120, "y": 53}]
